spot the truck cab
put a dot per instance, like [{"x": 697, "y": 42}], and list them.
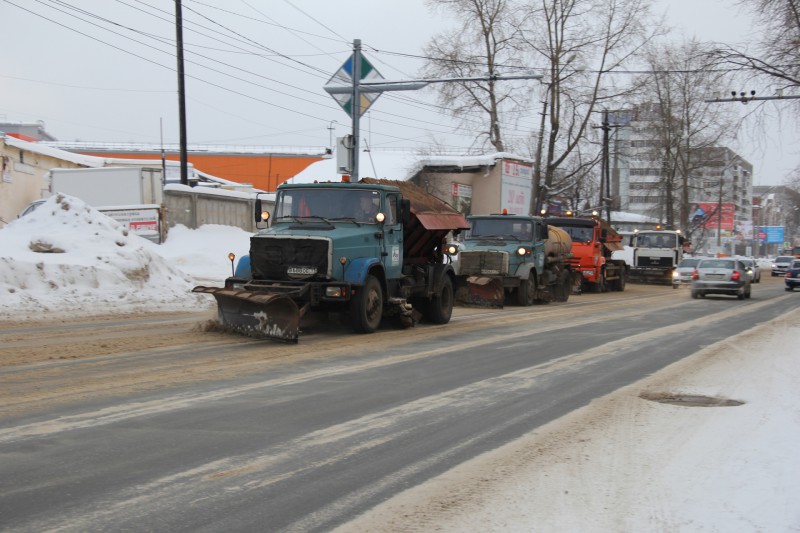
[
  {"x": 656, "y": 255},
  {"x": 594, "y": 242},
  {"x": 503, "y": 255}
]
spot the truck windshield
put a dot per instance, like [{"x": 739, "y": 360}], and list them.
[
  {"x": 482, "y": 228},
  {"x": 359, "y": 206},
  {"x": 578, "y": 234},
  {"x": 656, "y": 240}
]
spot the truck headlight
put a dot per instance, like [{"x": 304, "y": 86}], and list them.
[
  {"x": 522, "y": 251},
  {"x": 335, "y": 292},
  {"x": 676, "y": 274},
  {"x": 451, "y": 249}
]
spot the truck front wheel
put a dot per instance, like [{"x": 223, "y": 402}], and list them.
[
  {"x": 526, "y": 291},
  {"x": 600, "y": 284},
  {"x": 440, "y": 307},
  {"x": 366, "y": 308}
]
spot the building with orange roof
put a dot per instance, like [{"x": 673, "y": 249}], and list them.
[{"x": 263, "y": 167}]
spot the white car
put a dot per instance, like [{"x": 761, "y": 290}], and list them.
[
  {"x": 781, "y": 265},
  {"x": 682, "y": 275},
  {"x": 753, "y": 270},
  {"x": 31, "y": 207}
]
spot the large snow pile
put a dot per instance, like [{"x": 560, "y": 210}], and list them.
[{"x": 66, "y": 258}]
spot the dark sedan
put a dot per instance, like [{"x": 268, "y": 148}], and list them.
[
  {"x": 792, "y": 279},
  {"x": 721, "y": 276}
]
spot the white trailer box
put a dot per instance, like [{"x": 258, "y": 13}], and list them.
[
  {"x": 109, "y": 185},
  {"x": 133, "y": 196}
]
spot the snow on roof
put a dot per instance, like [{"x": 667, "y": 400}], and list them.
[
  {"x": 92, "y": 161},
  {"x": 88, "y": 146},
  {"x": 43, "y": 149},
  {"x": 621, "y": 216},
  {"x": 399, "y": 165},
  {"x": 212, "y": 191}
]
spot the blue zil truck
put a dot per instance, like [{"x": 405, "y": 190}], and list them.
[
  {"x": 516, "y": 258},
  {"x": 368, "y": 250}
]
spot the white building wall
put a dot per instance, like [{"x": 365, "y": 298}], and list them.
[{"x": 24, "y": 178}]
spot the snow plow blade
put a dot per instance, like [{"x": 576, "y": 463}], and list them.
[
  {"x": 481, "y": 292},
  {"x": 257, "y": 314}
]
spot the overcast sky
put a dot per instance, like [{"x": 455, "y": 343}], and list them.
[{"x": 255, "y": 72}]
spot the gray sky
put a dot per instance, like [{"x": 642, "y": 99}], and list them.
[{"x": 255, "y": 71}]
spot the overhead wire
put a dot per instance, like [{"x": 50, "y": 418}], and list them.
[
  {"x": 245, "y": 39},
  {"x": 163, "y": 41}
]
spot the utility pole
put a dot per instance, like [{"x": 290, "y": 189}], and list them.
[
  {"x": 536, "y": 195},
  {"x": 605, "y": 166},
  {"x": 181, "y": 92},
  {"x": 719, "y": 216},
  {"x": 606, "y": 169}
]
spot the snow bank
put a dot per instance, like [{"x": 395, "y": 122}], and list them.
[{"x": 66, "y": 258}]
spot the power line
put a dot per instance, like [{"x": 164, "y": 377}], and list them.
[{"x": 208, "y": 82}]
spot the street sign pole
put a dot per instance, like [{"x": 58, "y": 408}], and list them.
[
  {"x": 356, "y": 95},
  {"x": 356, "y": 107}
]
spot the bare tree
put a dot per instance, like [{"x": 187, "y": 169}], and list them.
[
  {"x": 486, "y": 43},
  {"x": 771, "y": 66},
  {"x": 580, "y": 42},
  {"x": 682, "y": 123},
  {"x": 776, "y": 57}
]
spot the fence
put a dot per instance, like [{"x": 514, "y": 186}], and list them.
[{"x": 195, "y": 206}]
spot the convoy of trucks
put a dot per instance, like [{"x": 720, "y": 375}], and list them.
[
  {"x": 368, "y": 251},
  {"x": 594, "y": 242},
  {"x": 513, "y": 256},
  {"x": 382, "y": 249}
]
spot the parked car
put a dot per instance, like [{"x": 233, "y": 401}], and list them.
[
  {"x": 781, "y": 264},
  {"x": 792, "y": 279},
  {"x": 721, "y": 276},
  {"x": 753, "y": 270},
  {"x": 682, "y": 275},
  {"x": 31, "y": 207}
]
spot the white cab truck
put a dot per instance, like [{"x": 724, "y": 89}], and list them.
[{"x": 133, "y": 196}]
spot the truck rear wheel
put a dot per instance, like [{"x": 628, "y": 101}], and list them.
[
  {"x": 440, "y": 307},
  {"x": 526, "y": 291},
  {"x": 366, "y": 308},
  {"x": 619, "y": 283}
]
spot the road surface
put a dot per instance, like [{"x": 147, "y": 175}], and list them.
[{"x": 161, "y": 422}]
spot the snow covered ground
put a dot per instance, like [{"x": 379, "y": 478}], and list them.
[
  {"x": 623, "y": 463},
  {"x": 66, "y": 258},
  {"x": 629, "y": 464}
]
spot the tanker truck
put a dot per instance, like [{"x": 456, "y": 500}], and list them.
[
  {"x": 512, "y": 257},
  {"x": 368, "y": 250}
]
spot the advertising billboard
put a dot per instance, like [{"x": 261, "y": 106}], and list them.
[
  {"x": 515, "y": 188},
  {"x": 709, "y": 213}
]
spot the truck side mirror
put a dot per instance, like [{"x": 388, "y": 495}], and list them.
[
  {"x": 543, "y": 233},
  {"x": 405, "y": 211},
  {"x": 257, "y": 210}
]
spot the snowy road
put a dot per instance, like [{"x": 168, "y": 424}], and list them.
[{"x": 154, "y": 423}]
